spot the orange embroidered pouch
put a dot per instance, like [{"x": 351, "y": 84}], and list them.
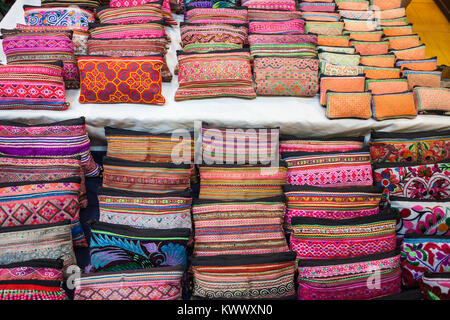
[
  {"x": 403, "y": 42},
  {"x": 348, "y": 105},
  {"x": 340, "y": 84},
  {"x": 393, "y": 31},
  {"x": 393, "y": 105},
  {"x": 432, "y": 99},
  {"x": 349, "y": 50},
  {"x": 385, "y": 4},
  {"x": 381, "y": 73},
  {"x": 392, "y": 13},
  {"x": 420, "y": 64},
  {"x": 359, "y": 25},
  {"x": 423, "y": 78},
  {"x": 332, "y": 41},
  {"x": 364, "y": 35},
  {"x": 393, "y": 22},
  {"x": 382, "y": 86},
  {"x": 414, "y": 53},
  {"x": 352, "y": 4},
  {"x": 366, "y": 48},
  {"x": 383, "y": 61}
]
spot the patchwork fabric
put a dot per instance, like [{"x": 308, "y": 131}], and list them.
[
  {"x": 129, "y": 15},
  {"x": 289, "y": 5},
  {"x": 384, "y": 86},
  {"x": 427, "y": 181},
  {"x": 162, "y": 283},
  {"x": 70, "y": 17},
  {"x": 317, "y": 238},
  {"x": 432, "y": 99},
  {"x": 340, "y": 144},
  {"x": 217, "y": 15},
  {"x": 393, "y": 105},
  {"x": 107, "y": 80},
  {"x": 153, "y": 29},
  {"x": 418, "y": 147},
  {"x": 42, "y": 202},
  {"x": 214, "y": 74},
  {"x": 144, "y": 176},
  {"x": 383, "y": 61},
  {"x": 419, "y": 64},
  {"x": 118, "y": 247},
  {"x": 340, "y": 84},
  {"x": 63, "y": 138},
  {"x": 286, "y": 76},
  {"x": 262, "y": 276},
  {"x": 239, "y": 227},
  {"x": 167, "y": 13},
  {"x": 145, "y": 210},
  {"x": 324, "y": 27},
  {"x": 241, "y": 182},
  {"x": 277, "y": 27},
  {"x": 48, "y": 241},
  {"x": 348, "y": 105},
  {"x": 329, "y": 169},
  {"x": 32, "y": 86},
  {"x": 435, "y": 286},
  {"x": 348, "y": 279},
  {"x": 422, "y": 254},
  {"x": 330, "y": 203},
  {"x": 422, "y": 78},
  {"x": 289, "y": 45}
]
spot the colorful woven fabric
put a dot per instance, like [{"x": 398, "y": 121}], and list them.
[
  {"x": 317, "y": 6},
  {"x": 393, "y": 22},
  {"x": 163, "y": 283},
  {"x": 213, "y": 33},
  {"x": 241, "y": 182},
  {"x": 121, "y": 80},
  {"x": 424, "y": 217},
  {"x": 145, "y": 210},
  {"x": 422, "y": 254},
  {"x": 392, "y": 31},
  {"x": 418, "y": 147},
  {"x": 129, "y": 15},
  {"x": 320, "y": 16},
  {"x": 341, "y": 59},
  {"x": 324, "y": 27},
  {"x": 153, "y": 29},
  {"x": 289, "y": 5},
  {"x": 148, "y": 147},
  {"x": 292, "y": 143},
  {"x": 429, "y": 100},
  {"x": 277, "y": 27},
  {"x": 435, "y": 286},
  {"x": 217, "y": 15},
  {"x": 318, "y": 238},
  {"x": 28, "y": 48},
  {"x": 348, "y": 105},
  {"x": 329, "y": 169},
  {"x": 258, "y": 14},
  {"x": 262, "y": 276},
  {"x": 48, "y": 241},
  {"x": 417, "y": 64},
  {"x": 422, "y": 78},
  {"x": 39, "y": 269},
  {"x": 117, "y": 247},
  {"x": 350, "y": 279},
  {"x": 427, "y": 181},
  {"x": 340, "y": 84},
  {"x": 71, "y": 17},
  {"x": 393, "y": 105},
  {"x": 239, "y": 227},
  {"x": 357, "y": 14},
  {"x": 329, "y": 69},
  {"x": 167, "y": 13},
  {"x": 286, "y": 76},
  {"x": 214, "y": 74},
  {"x": 289, "y": 45},
  {"x": 32, "y": 86},
  {"x": 381, "y": 60},
  {"x": 330, "y": 203},
  {"x": 42, "y": 202},
  {"x": 22, "y": 169},
  {"x": 336, "y": 49},
  {"x": 386, "y": 86},
  {"x": 64, "y": 138},
  {"x": 144, "y": 176}
]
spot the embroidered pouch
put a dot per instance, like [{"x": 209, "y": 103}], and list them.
[
  {"x": 330, "y": 203},
  {"x": 277, "y": 27},
  {"x": 292, "y": 143},
  {"x": 403, "y": 42},
  {"x": 364, "y": 35},
  {"x": 413, "y": 53},
  {"x": 392, "y": 31},
  {"x": 217, "y": 15},
  {"x": 63, "y": 138},
  {"x": 145, "y": 176},
  {"x": 75, "y": 18},
  {"x": 422, "y": 78},
  {"x": 320, "y": 16},
  {"x": 382, "y": 61},
  {"x": 286, "y": 76},
  {"x": 318, "y": 238},
  {"x": 153, "y": 29},
  {"x": 432, "y": 99},
  {"x": 393, "y": 13},
  {"x": 213, "y": 33},
  {"x": 421, "y": 217},
  {"x": 435, "y": 286},
  {"x": 239, "y": 227},
  {"x": 129, "y": 15},
  {"x": 348, "y": 105},
  {"x": 162, "y": 283},
  {"x": 419, "y": 64},
  {"x": 357, "y": 14},
  {"x": 177, "y": 6},
  {"x": 333, "y": 41},
  {"x": 289, "y": 45},
  {"x": 348, "y": 279},
  {"x": 42, "y": 241},
  {"x": 341, "y": 59},
  {"x": 383, "y": 86},
  {"x": 167, "y": 14},
  {"x": 381, "y": 73},
  {"x": 367, "y": 48},
  {"x": 70, "y": 3},
  {"x": 359, "y": 25},
  {"x": 352, "y": 4},
  {"x": 386, "y": 4},
  {"x": 210, "y": 46},
  {"x": 241, "y": 182},
  {"x": 106, "y": 79},
  {"x": 317, "y": 6},
  {"x": 263, "y": 14},
  {"x": 422, "y": 253},
  {"x": 32, "y": 86},
  {"x": 260, "y": 276},
  {"x": 145, "y": 210},
  {"x": 289, "y": 5},
  {"x": 27, "y": 48},
  {"x": 328, "y": 69},
  {"x": 393, "y": 22},
  {"x": 116, "y": 247},
  {"x": 37, "y": 269},
  {"x": 324, "y": 28},
  {"x": 329, "y": 169},
  {"x": 214, "y": 74},
  {"x": 421, "y": 147},
  {"x": 393, "y": 105},
  {"x": 427, "y": 181},
  {"x": 340, "y": 84},
  {"x": 347, "y": 50}
]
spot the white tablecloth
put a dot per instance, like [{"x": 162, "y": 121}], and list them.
[{"x": 300, "y": 116}]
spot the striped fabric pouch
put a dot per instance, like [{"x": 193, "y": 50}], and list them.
[
  {"x": 324, "y": 28},
  {"x": 129, "y": 15},
  {"x": 273, "y": 15},
  {"x": 320, "y": 16},
  {"x": 162, "y": 283},
  {"x": 286, "y": 45},
  {"x": 259, "y": 276},
  {"x": 153, "y": 29},
  {"x": 277, "y": 27},
  {"x": 217, "y": 15},
  {"x": 288, "y": 5},
  {"x": 292, "y": 143},
  {"x": 317, "y": 6},
  {"x": 167, "y": 13}
]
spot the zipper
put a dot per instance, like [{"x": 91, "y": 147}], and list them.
[
  {"x": 294, "y": 188},
  {"x": 276, "y": 199},
  {"x": 425, "y": 236},
  {"x": 393, "y": 94},
  {"x": 288, "y": 154},
  {"x": 182, "y": 53},
  {"x": 128, "y": 231},
  {"x": 137, "y": 272},
  {"x": 382, "y": 165},
  {"x": 87, "y": 57},
  {"x": 331, "y": 262},
  {"x": 36, "y": 263},
  {"x": 404, "y": 199},
  {"x": 71, "y": 122},
  {"x": 242, "y": 260},
  {"x": 99, "y": 25},
  {"x": 422, "y": 45},
  {"x": 411, "y": 135},
  {"x": 436, "y": 275},
  {"x": 112, "y": 161},
  {"x": 111, "y": 131},
  {"x": 281, "y": 163},
  {"x": 61, "y": 223},
  {"x": 285, "y": 137}
]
